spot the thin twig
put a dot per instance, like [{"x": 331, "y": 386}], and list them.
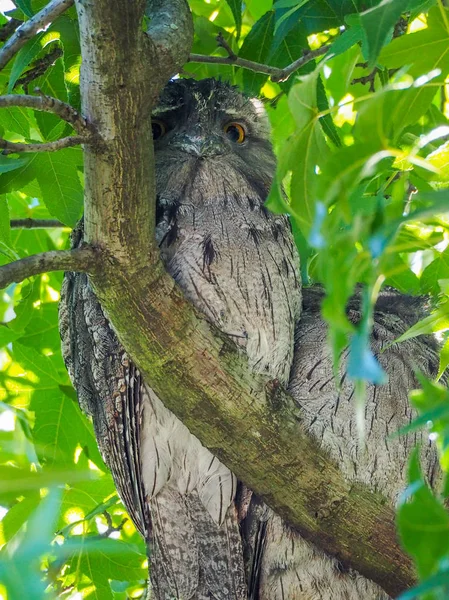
[
  {"x": 26, "y": 31},
  {"x": 276, "y": 74},
  {"x": 111, "y": 528},
  {"x": 51, "y": 105},
  {"x": 67, "y": 142},
  {"x": 8, "y": 28},
  {"x": 35, "y": 223},
  {"x": 39, "y": 67},
  {"x": 82, "y": 259},
  {"x": 224, "y": 44}
]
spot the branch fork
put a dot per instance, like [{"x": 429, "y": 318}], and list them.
[
  {"x": 86, "y": 132},
  {"x": 276, "y": 74}
]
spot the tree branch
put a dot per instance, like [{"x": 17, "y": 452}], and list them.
[
  {"x": 67, "y": 142},
  {"x": 171, "y": 34},
  {"x": 51, "y": 105},
  {"x": 276, "y": 74},
  {"x": 35, "y": 223},
  {"x": 26, "y": 31},
  {"x": 8, "y": 29},
  {"x": 250, "y": 424},
  {"x": 81, "y": 259}
]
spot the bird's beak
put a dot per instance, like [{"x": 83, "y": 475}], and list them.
[{"x": 199, "y": 145}]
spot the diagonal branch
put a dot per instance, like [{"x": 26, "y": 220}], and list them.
[
  {"x": 171, "y": 34},
  {"x": 51, "y": 105},
  {"x": 83, "y": 259},
  {"x": 67, "y": 142},
  {"x": 276, "y": 74},
  {"x": 26, "y": 31},
  {"x": 8, "y": 29}
]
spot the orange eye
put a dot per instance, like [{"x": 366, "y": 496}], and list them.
[
  {"x": 235, "y": 132},
  {"x": 158, "y": 128}
]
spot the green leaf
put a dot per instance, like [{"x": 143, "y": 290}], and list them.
[
  {"x": 423, "y": 522},
  {"x": 422, "y": 53},
  {"x": 24, "y": 57},
  {"x": 18, "y": 120},
  {"x": 256, "y": 47},
  {"x": 378, "y": 23},
  {"x": 290, "y": 3},
  {"x": 303, "y": 151},
  {"x": 5, "y": 229},
  {"x": 18, "y": 178},
  {"x": 68, "y": 30},
  {"x": 437, "y": 321},
  {"x": 61, "y": 427},
  {"x": 430, "y": 584},
  {"x": 52, "y": 83},
  {"x": 9, "y": 164},
  {"x": 57, "y": 175},
  {"x": 438, "y": 269},
  {"x": 42, "y": 366},
  {"x": 25, "y": 7},
  {"x": 236, "y": 8},
  {"x": 18, "y": 514},
  {"x": 440, "y": 159}
]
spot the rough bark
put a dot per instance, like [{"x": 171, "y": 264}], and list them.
[{"x": 251, "y": 424}]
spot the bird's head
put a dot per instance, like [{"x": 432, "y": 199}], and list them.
[{"x": 210, "y": 125}]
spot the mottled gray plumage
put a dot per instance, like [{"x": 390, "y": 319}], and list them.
[
  {"x": 237, "y": 263},
  {"x": 209, "y": 537}
]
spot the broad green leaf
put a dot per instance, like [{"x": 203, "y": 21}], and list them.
[
  {"x": 18, "y": 514},
  {"x": 444, "y": 357},
  {"x": 426, "y": 56},
  {"x": 42, "y": 366},
  {"x": 57, "y": 175},
  {"x": 43, "y": 331},
  {"x": 9, "y": 164},
  {"x": 437, "y": 321},
  {"x": 430, "y": 584},
  {"x": 399, "y": 275},
  {"x": 68, "y": 31},
  {"x": 326, "y": 121},
  {"x": 17, "y": 120},
  {"x": 320, "y": 15},
  {"x": 61, "y": 427},
  {"x": 438, "y": 269},
  {"x": 378, "y": 23},
  {"x": 257, "y": 47},
  {"x": 52, "y": 83},
  {"x": 107, "y": 559},
  {"x": 23, "y": 58},
  {"x": 5, "y": 236},
  {"x": 290, "y": 3},
  {"x": 440, "y": 159},
  {"x": 89, "y": 497},
  {"x": 236, "y": 8},
  {"x": 303, "y": 151},
  {"x": 423, "y": 522},
  {"x": 25, "y": 6},
  {"x": 20, "y": 177}
]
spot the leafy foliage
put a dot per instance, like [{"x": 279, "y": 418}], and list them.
[{"x": 361, "y": 136}]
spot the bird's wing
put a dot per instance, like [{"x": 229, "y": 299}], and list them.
[
  {"x": 192, "y": 555},
  {"x": 109, "y": 389}
]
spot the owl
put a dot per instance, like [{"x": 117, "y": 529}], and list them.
[{"x": 208, "y": 536}]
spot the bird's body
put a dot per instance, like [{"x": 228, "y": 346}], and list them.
[{"x": 236, "y": 263}]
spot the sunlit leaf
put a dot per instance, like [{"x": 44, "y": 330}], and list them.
[{"x": 378, "y": 23}]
